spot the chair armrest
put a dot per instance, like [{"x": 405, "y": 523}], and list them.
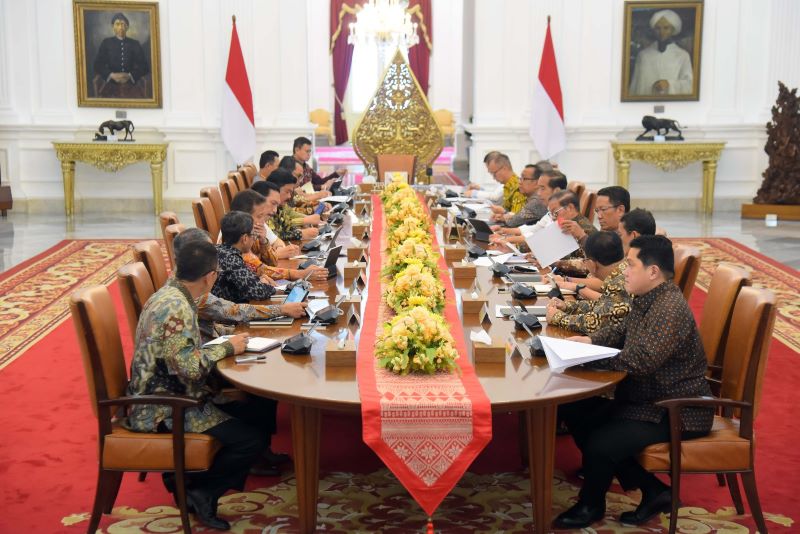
[
  {"x": 173, "y": 401},
  {"x": 671, "y": 404}
]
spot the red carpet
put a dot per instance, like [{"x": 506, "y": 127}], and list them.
[{"x": 48, "y": 451}]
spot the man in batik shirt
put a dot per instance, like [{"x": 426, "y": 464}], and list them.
[
  {"x": 605, "y": 261},
  {"x": 663, "y": 358},
  {"x": 301, "y": 151},
  {"x": 169, "y": 358}
]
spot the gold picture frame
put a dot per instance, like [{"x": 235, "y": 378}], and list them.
[
  {"x": 661, "y": 50},
  {"x": 117, "y": 67}
]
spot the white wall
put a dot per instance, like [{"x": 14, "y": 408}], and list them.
[
  {"x": 747, "y": 46},
  {"x": 38, "y": 102},
  {"x": 485, "y": 56}
]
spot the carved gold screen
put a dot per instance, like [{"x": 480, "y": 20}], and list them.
[{"x": 398, "y": 120}]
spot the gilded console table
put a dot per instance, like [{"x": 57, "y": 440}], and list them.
[
  {"x": 110, "y": 157},
  {"x": 670, "y": 156}
]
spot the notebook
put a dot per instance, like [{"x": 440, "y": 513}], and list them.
[{"x": 254, "y": 344}]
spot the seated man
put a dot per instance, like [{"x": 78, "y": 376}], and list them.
[
  {"x": 549, "y": 182},
  {"x": 612, "y": 203},
  {"x": 565, "y": 210},
  {"x": 513, "y": 199},
  {"x": 278, "y": 249},
  {"x": 236, "y": 281},
  {"x": 663, "y": 357},
  {"x": 288, "y": 222},
  {"x": 260, "y": 257},
  {"x": 491, "y": 192},
  {"x": 635, "y": 223},
  {"x": 301, "y": 151},
  {"x": 212, "y": 309},
  {"x": 534, "y": 208},
  {"x": 606, "y": 261},
  {"x": 267, "y": 163},
  {"x": 169, "y": 359},
  {"x": 302, "y": 200}
]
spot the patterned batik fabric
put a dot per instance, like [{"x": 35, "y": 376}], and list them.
[
  {"x": 169, "y": 359},
  {"x": 285, "y": 224},
  {"x": 236, "y": 282},
  {"x": 587, "y": 316},
  {"x": 513, "y": 199},
  {"x": 663, "y": 356},
  {"x": 216, "y": 316},
  {"x": 533, "y": 210}
]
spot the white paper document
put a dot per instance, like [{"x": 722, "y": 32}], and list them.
[
  {"x": 550, "y": 244},
  {"x": 336, "y": 199},
  {"x": 254, "y": 344},
  {"x": 315, "y": 305},
  {"x": 484, "y": 261},
  {"x": 480, "y": 336},
  {"x": 562, "y": 353}
]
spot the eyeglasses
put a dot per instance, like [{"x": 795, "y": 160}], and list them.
[
  {"x": 604, "y": 208},
  {"x": 529, "y": 179},
  {"x": 554, "y": 214}
]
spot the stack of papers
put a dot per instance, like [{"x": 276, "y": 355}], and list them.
[
  {"x": 550, "y": 244},
  {"x": 562, "y": 353},
  {"x": 254, "y": 344}
]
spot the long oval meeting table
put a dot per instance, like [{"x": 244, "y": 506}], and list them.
[{"x": 518, "y": 384}]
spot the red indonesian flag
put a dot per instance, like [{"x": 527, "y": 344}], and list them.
[
  {"x": 238, "y": 125},
  {"x": 547, "y": 111}
]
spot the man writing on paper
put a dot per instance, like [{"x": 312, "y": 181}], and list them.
[
  {"x": 605, "y": 260},
  {"x": 664, "y": 358}
]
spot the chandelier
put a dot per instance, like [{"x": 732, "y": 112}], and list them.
[{"x": 385, "y": 24}]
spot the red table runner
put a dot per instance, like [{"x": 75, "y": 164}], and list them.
[{"x": 427, "y": 429}]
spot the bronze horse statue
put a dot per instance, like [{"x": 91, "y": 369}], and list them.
[{"x": 116, "y": 126}]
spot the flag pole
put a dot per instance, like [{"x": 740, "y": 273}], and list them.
[{"x": 234, "y": 19}]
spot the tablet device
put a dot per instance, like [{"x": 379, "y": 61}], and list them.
[
  {"x": 482, "y": 229},
  {"x": 297, "y": 294},
  {"x": 319, "y": 209}
]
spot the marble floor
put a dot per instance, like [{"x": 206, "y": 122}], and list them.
[{"x": 25, "y": 235}]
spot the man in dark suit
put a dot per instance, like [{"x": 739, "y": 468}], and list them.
[
  {"x": 121, "y": 64},
  {"x": 663, "y": 357}
]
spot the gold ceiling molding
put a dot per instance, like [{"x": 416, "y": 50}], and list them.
[{"x": 398, "y": 120}]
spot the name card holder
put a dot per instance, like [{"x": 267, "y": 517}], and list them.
[
  {"x": 353, "y": 268},
  {"x": 462, "y": 269},
  {"x": 494, "y": 353},
  {"x": 356, "y": 254},
  {"x": 436, "y": 212},
  {"x": 360, "y": 230},
  {"x": 340, "y": 357}
]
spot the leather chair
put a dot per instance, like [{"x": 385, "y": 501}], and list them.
[
  {"x": 205, "y": 218},
  {"x": 396, "y": 163},
  {"x": 239, "y": 178},
  {"x": 587, "y": 201},
  {"x": 212, "y": 193},
  {"x": 149, "y": 253},
  {"x": 135, "y": 286},
  {"x": 170, "y": 232},
  {"x": 228, "y": 189},
  {"x": 249, "y": 171},
  {"x": 687, "y": 266},
  {"x": 165, "y": 218},
  {"x": 729, "y": 448},
  {"x": 322, "y": 118},
  {"x": 121, "y": 450},
  {"x": 578, "y": 188},
  {"x": 444, "y": 119},
  {"x": 715, "y": 319}
]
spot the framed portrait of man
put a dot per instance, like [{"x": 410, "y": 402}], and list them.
[
  {"x": 661, "y": 50},
  {"x": 117, "y": 54}
]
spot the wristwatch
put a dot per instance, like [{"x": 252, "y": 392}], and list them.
[{"x": 578, "y": 288}]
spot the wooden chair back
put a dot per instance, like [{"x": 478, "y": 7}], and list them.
[
  {"x": 205, "y": 218},
  {"x": 396, "y": 163},
  {"x": 135, "y": 286},
  {"x": 687, "y": 266},
  {"x": 149, "y": 253}
]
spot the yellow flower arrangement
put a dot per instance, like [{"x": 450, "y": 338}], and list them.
[
  {"x": 392, "y": 187},
  {"x": 405, "y": 209},
  {"x": 410, "y": 251},
  {"x": 416, "y": 341},
  {"x": 411, "y": 228},
  {"x": 415, "y": 286}
]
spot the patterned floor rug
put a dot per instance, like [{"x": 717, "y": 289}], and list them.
[
  {"x": 375, "y": 502},
  {"x": 34, "y": 295}
]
